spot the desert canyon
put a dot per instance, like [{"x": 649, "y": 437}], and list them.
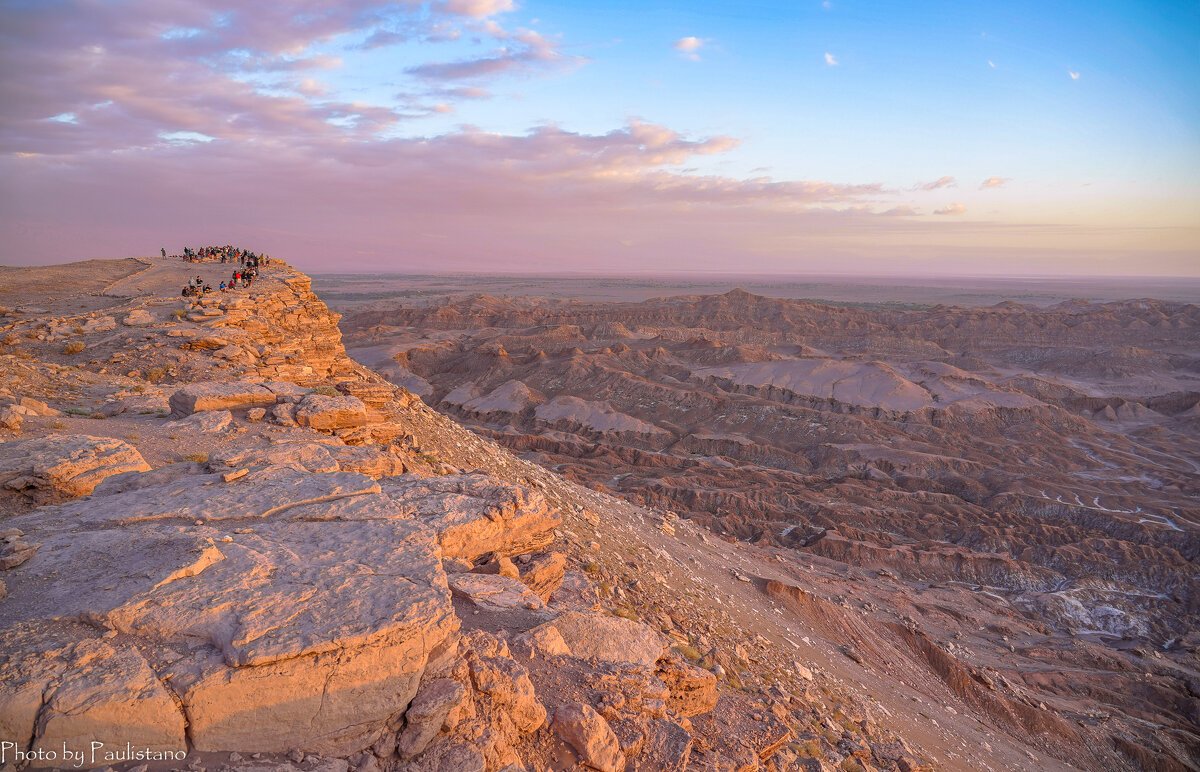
[{"x": 468, "y": 533}]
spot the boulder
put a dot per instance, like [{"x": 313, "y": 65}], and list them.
[
  {"x": 220, "y": 395},
  {"x": 284, "y": 414},
  {"x": 37, "y": 407},
  {"x": 693, "y": 689},
  {"x": 543, "y": 640},
  {"x": 65, "y": 466},
  {"x": 544, "y": 573},
  {"x": 428, "y": 713},
  {"x": 11, "y": 419},
  {"x": 587, "y": 732},
  {"x": 138, "y": 317},
  {"x": 493, "y": 591},
  {"x": 207, "y": 422},
  {"x": 100, "y": 324},
  {"x": 608, "y": 638},
  {"x": 329, "y": 413}
]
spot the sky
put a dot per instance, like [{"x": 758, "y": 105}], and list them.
[{"x": 763, "y": 136}]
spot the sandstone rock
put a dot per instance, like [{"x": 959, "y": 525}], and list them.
[
  {"x": 577, "y": 593},
  {"x": 100, "y": 324},
  {"x": 544, "y": 574},
  {"x": 220, "y": 395},
  {"x": 506, "y": 684},
  {"x": 256, "y": 414},
  {"x": 11, "y": 419},
  {"x": 328, "y": 413},
  {"x": 493, "y": 591},
  {"x": 693, "y": 689},
  {"x": 284, "y": 414},
  {"x": 207, "y": 422},
  {"x": 38, "y": 407},
  {"x": 55, "y": 688},
  {"x": 588, "y": 733},
  {"x": 427, "y": 713},
  {"x": 65, "y": 466},
  {"x": 138, "y": 317},
  {"x": 543, "y": 640},
  {"x": 668, "y": 748},
  {"x": 309, "y": 456},
  {"x": 475, "y": 514},
  {"x": 608, "y": 638}
]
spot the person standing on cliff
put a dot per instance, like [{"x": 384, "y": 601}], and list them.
[{"x": 164, "y": 251}]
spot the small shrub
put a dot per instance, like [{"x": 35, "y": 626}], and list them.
[
  {"x": 74, "y": 347},
  {"x": 179, "y": 313},
  {"x": 78, "y": 330},
  {"x": 58, "y": 425},
  {"x": 690, "y": 652},
  {"x": 591, "y": 567},
  {"x": 809, "y": 749},
  {"x": 97, "y": 416},
  {"x": 627, "y": 613},
  {"x": 78, "y": 411},
  {"x": 199, "y": 458},
  {"x": 138, "y": 388},
  {"x": 850, "y": 764},
  {"x": 327, "y": 391},
  {"x": 156, "y": 374}
]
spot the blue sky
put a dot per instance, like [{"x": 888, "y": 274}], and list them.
[{"x": 1054, "y": 128}]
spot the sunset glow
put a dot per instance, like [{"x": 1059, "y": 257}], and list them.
[{"x": 597, "y": 137}]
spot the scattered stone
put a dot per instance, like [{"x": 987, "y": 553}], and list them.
[
  {"x": 219, "y": 395},
  {"x": 493, "y": 591},
  {"x": 139, "y": 317},
  {"x": 256, "y": 414},
  {"x": 608, "y": 638},
  {"x": 544, "y": 573},
  {"x": 590, "y": 736},
  {"x": 328, "y": 413},
  {"x": 207, "y": 422},
  {"x": 428, "y": 713}
]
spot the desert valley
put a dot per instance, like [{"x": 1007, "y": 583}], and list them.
[{"x": 703, "y": 532}]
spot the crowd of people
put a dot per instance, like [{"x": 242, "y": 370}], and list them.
[
  {"x": 243, "y": 277},
  {"x": 225, "y": 254}
]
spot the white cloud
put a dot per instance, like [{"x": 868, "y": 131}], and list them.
[
  {"x": 1074, "y": 75},
  {"x": 991, "y": 64},
  {"x": 831, "y": 60},
  {"x": 955, "y": 208},
  {"x": 993, "y": 182},
  {"x": 687, "y": 47}
]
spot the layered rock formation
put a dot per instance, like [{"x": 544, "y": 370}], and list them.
[
  {"x": 227, "y": 539},
  {"x": 1046, "y": 457}
]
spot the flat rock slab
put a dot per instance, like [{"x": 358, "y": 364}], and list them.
[
  {"x": 494, "y": 592},
  {"x": 63, "y": 467},
  {"x": 202, "y": 498},
  {"x": 56, "y": 687},
  {"x": 475, "y": 514},
  {"x": 294, "y": 633},
  {"x": 326, "y": 413},
  {"x": 607, "y": 638},
  {"x": 220, "y": 395}
]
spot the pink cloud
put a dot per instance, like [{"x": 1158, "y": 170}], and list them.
[
  {"x": 994, "y": 182},
  {"x": 941, "y": 182},
  {"x": 954, "y": 208}
]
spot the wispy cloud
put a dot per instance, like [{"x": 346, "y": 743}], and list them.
[
  {"x": 831, "y": 60},
  {"x": 689, "y": 47},
  {"x": 994, "y": 182},
  {"x": 991, "y": 64},
  {"x": 955, "y": 208},
  {"x": 1074, "y": 75},
  {"x": 941, "y": 182}
]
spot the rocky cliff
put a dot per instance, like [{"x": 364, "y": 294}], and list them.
[{"x": 225, "y": 542}]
